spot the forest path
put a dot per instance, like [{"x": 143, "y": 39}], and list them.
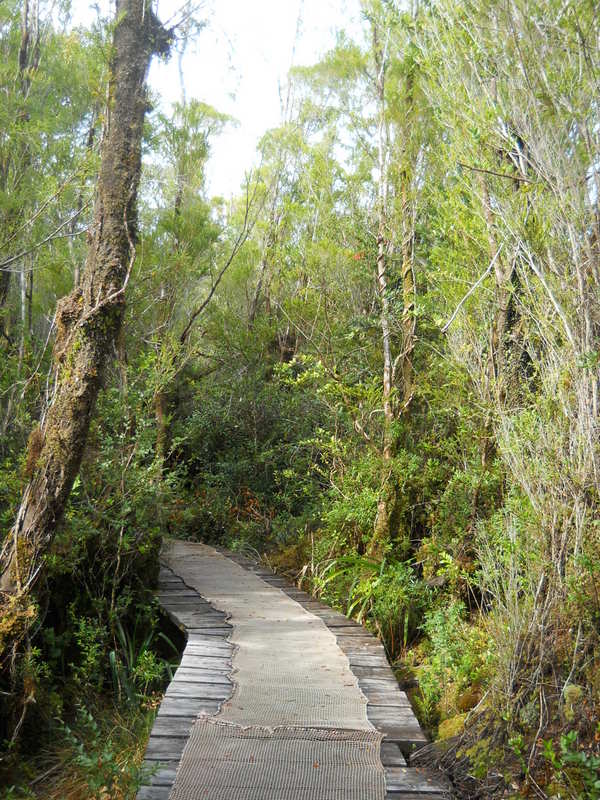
[{"x": 277, "y": 696}]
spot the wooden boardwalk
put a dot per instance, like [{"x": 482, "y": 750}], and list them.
[{"x": 201, "y": 684}]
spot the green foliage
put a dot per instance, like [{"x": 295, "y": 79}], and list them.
[
  {"x": 576, "y": 773},
  {"x": 97, "y": 757},
  {"x": 251, "y": 412},
  {"x": 135, "y": 667}
]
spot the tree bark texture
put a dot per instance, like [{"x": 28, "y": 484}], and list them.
[{"x": 89, "y": 318}]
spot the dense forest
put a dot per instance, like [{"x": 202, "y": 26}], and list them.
[{"x": 376, "y": 369}]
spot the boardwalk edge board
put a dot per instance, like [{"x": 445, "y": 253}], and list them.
[{"x": 201, "y": 684}]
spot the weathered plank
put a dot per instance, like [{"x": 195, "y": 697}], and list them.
[
  {"x": 154, "y": 793},
  {"x": 359, "y": 640},
  {"x": 163, "y": 774},
  {"x": 203, "y": 691},
  {"x": 202, "y": 676},
  {"x": 387, "y": 699},
  {"x": 172, "y": 727},
  {"x": 213, "y": 663},
  {"x": 408, "y": 795},
  {"x": 165, "y": 748},
  {"x": 412, "y": 779},
  {"x": 368, "y": 661},
  {"x": 217, "y": 635},
  {"x": 222, "y": 631},
  {"x": 174, "y": 706},
  {"x": 198, "y": 618},
  {"x": 391, "y": 755},
  {"x": 208, "y": 644},
  {"x": 182, "y": 602},
  {"x": 383, "y": 673}
]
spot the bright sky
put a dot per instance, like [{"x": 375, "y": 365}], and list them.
[{"x": 237, "y": 65}]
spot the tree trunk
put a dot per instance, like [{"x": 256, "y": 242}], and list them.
[
  {"x": 387, "y": 493},
  {"x": 79, "y": 208},
  {"x": 264, "y": 280},
  {"x": 408, "y": 294},
  {"x": 88, "y": 319},
  {"x": 4, "y": 293},
  {"x": 28, "y": 59},
  {"x": 503, "y": 274}
]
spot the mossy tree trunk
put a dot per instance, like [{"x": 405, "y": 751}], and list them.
[{"x": 89, "y": 318}]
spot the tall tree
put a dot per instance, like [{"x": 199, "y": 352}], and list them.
[{"x": 89, "y": 318}]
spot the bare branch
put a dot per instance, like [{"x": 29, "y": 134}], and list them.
[{"x": 472, "y": 289}]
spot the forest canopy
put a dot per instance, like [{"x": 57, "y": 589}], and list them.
[{"x": 376, "y": 367}]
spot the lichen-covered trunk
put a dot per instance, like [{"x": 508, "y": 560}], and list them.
[
  {"x": 408, "y": 294},
  {"x": 88, "y": 319},
  {"x": 387, "y": 493}
]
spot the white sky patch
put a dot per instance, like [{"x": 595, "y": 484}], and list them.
[{"x": 238, "y": 64}]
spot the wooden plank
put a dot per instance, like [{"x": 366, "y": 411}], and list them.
[
  {"x": 360, "y": 640},
  {"x": 407, "y": 735},
  {"x": 368, "y": 661},
  {"x": 202, "y": 622},
  {"x": 218, "y": 649},
  {"x": 391, "y": 755},
  {"x": 205, "y": 691},
  {"x": 384, "y": 683},
  {"x": 397, "y": 717},
  {"x": 209, "y": 652},
  {"x": 163, "y": 776},
  {"x": 212, "y": 630},
  {"x": 193, "y": 616},
  {"x": 183, "y": 595},
  {"x": 344, "y": 626},
  {"x": 199, "y": 637},
  {"x": 387, "y": 700},
  {"x": 411, "y": 779},
  {"x": 182, "y": 602},
  {"x": 172, "y": 727},
  {"x": 165, "y": 748},
  {"x": 173, "y": 706},
  {"x": 202, "y": 676},
  {"x": 154, "y": 793},
  {"x": 299, "y": 595},
  {"x": 393, "y": 795},
  {"x": 390, "y": 694},
  {"x": 331, "y": 615},
  {"x": 213, "y": 663},
  {"x": 383, "y": 673}
]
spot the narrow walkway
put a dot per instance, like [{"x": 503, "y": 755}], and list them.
[{"x": 277, "y": 696}]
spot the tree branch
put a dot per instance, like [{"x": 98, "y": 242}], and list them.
[{"x": 472, "y": 289}]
